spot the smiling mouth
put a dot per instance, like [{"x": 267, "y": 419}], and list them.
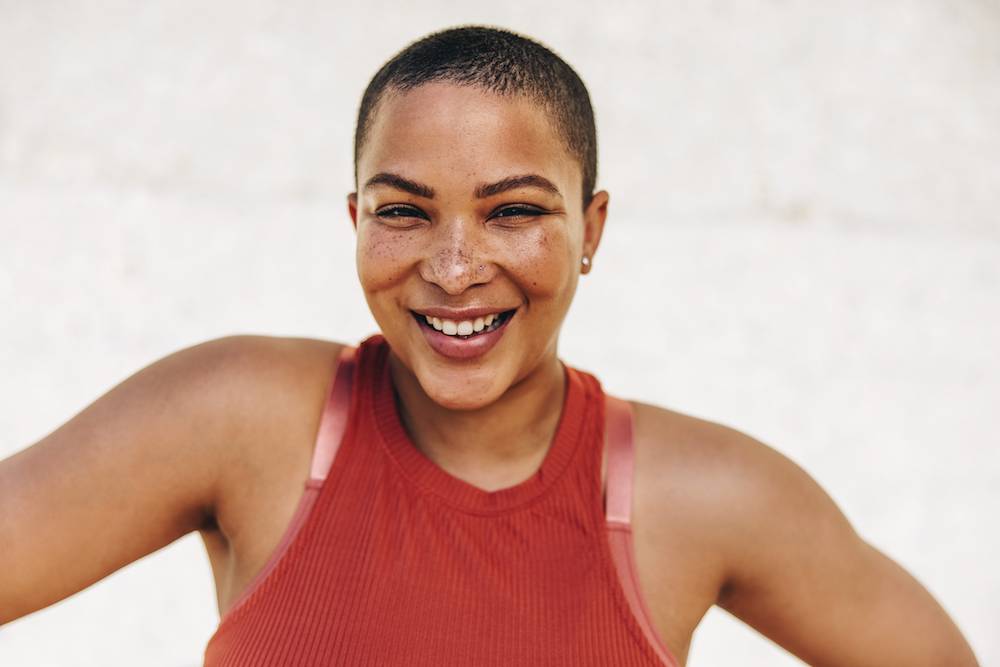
[{"x": 465, "y": 329}]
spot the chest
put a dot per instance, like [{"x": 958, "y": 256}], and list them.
[
  {"x": 397, "y": 553},
  {"x": 401, "y": 574}
]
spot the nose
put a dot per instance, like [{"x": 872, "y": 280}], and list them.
[{"x": 458, "y": 257}]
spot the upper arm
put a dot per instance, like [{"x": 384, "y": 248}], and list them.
[
  {"x": 133, "y": 471},
  {"x": 801, "y": 575}
]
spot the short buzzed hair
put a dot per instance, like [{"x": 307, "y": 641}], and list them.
[{"x": 501, "y": 62}]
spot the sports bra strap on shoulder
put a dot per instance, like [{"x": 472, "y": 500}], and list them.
[
  {"x": 333, "y": 422},
  {"x": 618, "y": 509},
  {"x": 620, "y": 460}
]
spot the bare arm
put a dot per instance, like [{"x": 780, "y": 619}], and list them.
[
  {"x": 135, "y": 470},
  {"x": 801, "y": 575}
]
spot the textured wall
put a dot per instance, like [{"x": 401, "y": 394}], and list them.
[{"x": 804, "y": 243}]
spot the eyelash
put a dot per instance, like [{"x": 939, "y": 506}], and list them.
[{"x": 394, "y": 212}]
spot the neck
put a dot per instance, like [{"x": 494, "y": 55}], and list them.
[{"x": 493, "y": 447}]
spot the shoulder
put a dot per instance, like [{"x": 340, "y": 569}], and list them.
[
  {"x": 261, "y": 390},
  {"x": 235, "y": 382},
  {"x": 246, "y": 356},
  {"x": 224, "y": 423},
  {"x": 262, "y": 398},
  {"x": 237, "y": 408},
  {"x": 697, "y": 453},
  {"x": 721, "y": 518},
  {"x": 242, "y": 369},
  {"x": 726, "y": 489},
  {"x": 693, "y": 450}
]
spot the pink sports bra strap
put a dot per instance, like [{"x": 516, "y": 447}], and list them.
[
  {"x": 618, "y": 510},
  {"x": 620, "y": 462},
  {"x": 333, "y": 423}
]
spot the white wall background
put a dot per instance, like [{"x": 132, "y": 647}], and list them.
[{"x": 804, "y": 243}]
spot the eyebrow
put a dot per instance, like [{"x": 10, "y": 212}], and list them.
[
  {"x": 481, "y": 192},
  {"x": 512, "y": 182},
  {"x": 400, "y": 183}
]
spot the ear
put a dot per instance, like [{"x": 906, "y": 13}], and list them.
[
  {"x": 352, "y": 208},
  {"x": 593, "y": 226}
]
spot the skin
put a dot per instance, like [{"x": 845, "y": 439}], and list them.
[{"x": 218, "y": 437}]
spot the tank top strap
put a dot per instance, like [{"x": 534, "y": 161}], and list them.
[{"x": 333, "y": 422}]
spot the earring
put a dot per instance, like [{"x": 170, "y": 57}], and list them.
[{"x": 586, "y": 263}]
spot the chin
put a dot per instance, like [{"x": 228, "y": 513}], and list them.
[
  {"x": 462, "y": 390},
  {"x": 461, "y": 401}
]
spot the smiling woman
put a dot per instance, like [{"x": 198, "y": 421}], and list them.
[
  {"x": 450, "y": 492},
  {"x": 471, "y": 209}
]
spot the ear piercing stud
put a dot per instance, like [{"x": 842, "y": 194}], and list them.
[{"x": 586, "y": 262}]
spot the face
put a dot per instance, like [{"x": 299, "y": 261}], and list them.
[{"x": 470, "y": 234}]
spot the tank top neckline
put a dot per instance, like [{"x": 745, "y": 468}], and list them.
[{"x": 455, "y": 492}]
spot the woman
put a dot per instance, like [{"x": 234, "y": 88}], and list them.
[{"x": 450, "y": 492}]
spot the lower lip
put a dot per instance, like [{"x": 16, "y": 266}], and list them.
[{"x": 454, "y": 347}]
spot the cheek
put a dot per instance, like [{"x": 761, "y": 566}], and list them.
[
  {"x": 383, "y": 256},
  {"x": 542, "y": 261}
]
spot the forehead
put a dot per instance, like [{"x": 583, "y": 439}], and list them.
[{"x": 448, "y": 131}]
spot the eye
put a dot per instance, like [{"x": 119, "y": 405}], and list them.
[
  {"x": 400, "y": 212},
  {"x": 401, "y": 216},
  {"x": 517, "y": 211}
]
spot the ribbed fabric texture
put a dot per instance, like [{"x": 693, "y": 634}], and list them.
[{"x": 400, "y": 563}]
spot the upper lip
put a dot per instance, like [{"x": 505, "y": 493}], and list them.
[{"x": 458, "y": 315}]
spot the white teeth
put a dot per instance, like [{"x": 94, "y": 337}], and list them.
[{"x": 463, "y": 327}]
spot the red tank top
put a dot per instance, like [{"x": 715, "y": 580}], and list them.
[{"x": 390, "y": 560}]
